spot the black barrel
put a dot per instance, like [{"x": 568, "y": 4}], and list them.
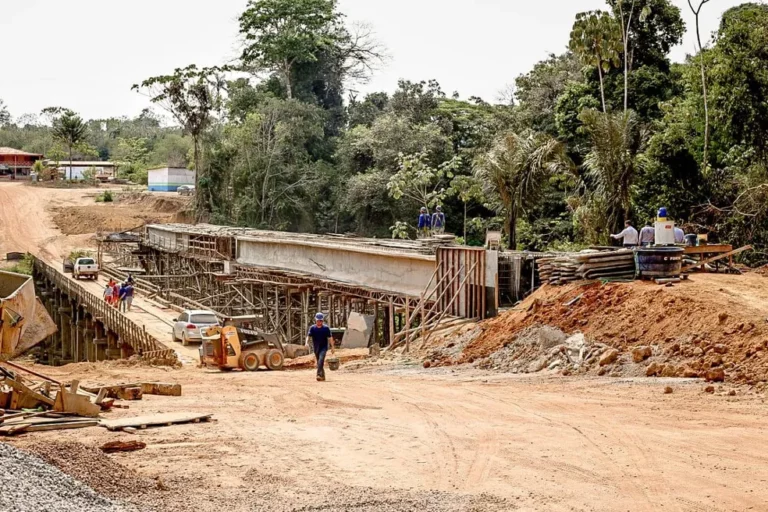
[{"x": 653, "y": 262}]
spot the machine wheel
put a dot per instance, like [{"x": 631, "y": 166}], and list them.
[
  {"x": 173, "y": 336},
  {"x": 184, "y": 340},
  {"x": 251, "y": 361},
  {"x": 274, "y": 359}
]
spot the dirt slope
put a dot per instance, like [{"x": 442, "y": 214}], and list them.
[
  {"x": 128, "y": 211},
  {"x": 709, "y": 322}
]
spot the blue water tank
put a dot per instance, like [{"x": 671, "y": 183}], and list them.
[{"x": 662, "y": 212}]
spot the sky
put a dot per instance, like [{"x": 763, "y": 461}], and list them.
[{"x": 86, "y": 54}]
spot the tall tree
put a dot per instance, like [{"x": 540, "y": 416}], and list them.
[
  {"x": 279, "y": 34},
  {"x": 616, "y": 142},
  {"x": 70, "y": 130},
  {"x": 696, "y": 12},
  {"x": 193, "y": 97},
  {"x": 596, "y": 40},
  {"x": 514, "y": 169}
]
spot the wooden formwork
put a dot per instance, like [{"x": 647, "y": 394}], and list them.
[{"x": 461, "y": 281}]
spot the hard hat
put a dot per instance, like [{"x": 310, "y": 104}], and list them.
[
  {"x": 423, "y": 208},
  {"x": 319, "y": 316},
  {"x": 439, "y": 208}
]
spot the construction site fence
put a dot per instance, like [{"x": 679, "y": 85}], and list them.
[{"x": 143, "y": 343}]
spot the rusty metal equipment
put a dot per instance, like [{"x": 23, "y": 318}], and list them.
[{"x": 234, "y": 345}]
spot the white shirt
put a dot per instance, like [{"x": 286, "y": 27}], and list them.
[
  {"x": 679, "y": 235},
  {"x": 629, "y": 236}
]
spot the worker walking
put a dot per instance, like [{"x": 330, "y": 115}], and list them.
[
  {"x": 424, "y": 223},
  {"x": 647, "y": 235},
  {"x": 629, "y": 236},
  {"x": 438, "y": 221},
  {"x": 321, "y": 337}
]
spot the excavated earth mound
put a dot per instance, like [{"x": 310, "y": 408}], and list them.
[
  {"x": 128, "y": 211},
  {"x": 712, "y": 326}
]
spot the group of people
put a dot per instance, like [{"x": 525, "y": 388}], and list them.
[
  {"x": 120, "y": 295},
  {"x": 647, "y": 236},
  {"x": 431, "y": 224}
]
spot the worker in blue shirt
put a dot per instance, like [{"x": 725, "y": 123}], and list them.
[
  {"x": 321, "y": 337},
  {"x": 425, "y": 222},
  {"x": 438, "y": 221}
]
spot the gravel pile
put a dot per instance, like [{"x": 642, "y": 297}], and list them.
[
  {"x": 29, "y": 484},
  {"x": 91, "y": 466}
]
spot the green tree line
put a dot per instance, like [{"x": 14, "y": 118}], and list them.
[{"x": 608, "y": 129}]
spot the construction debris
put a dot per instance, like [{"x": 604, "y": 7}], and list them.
[
  {"x": 32, "y": 406},
  {"x": 122, "y": 446},
  {"x": 134, "y": 391}
]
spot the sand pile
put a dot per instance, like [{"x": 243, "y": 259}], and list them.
[{"x": 695, "y": 329}]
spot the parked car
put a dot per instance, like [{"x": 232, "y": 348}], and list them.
[
  {"x": 189, "y": 325},
  {"x": 85, "y": 267},
  {"x": 186, "y": 190}
]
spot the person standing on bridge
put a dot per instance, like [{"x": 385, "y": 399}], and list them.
[
  {"x": 321, "y": 337},
  {"x": 128, "y": 295},
  {"x": 425, "y": 222},
  {"x": 438, "y": 221},
  {"x": 108, "y": 294}
]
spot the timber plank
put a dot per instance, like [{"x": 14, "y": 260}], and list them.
[{"x": 162, "y": 419}]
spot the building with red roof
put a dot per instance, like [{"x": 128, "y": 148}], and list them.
[{"x": 15, "y": 163}]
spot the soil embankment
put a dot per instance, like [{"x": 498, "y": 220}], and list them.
[{"x": 694, "y": 329}]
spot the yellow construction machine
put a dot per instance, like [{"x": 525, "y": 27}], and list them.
[{"x": 232, "y": 345}]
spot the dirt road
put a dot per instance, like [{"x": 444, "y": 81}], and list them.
[{"x": 405, "y": 438}]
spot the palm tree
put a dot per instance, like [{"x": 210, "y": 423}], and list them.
[
  {"x": 516, "y": 168},
  {"x": 616, "y": 142},
  {"x": 596, "y": 41},
  {"x": 70, "y": 130}
]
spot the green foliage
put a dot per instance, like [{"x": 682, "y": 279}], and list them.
[
  {"x": 596, "y": 41},
  {"x": 69, "y": 129},
  {"x": 420, "y": 182},
  {"x": 616, "y": 142},
  {"x": 400, "y": 230},
  {"x": 280, "y": 34},
  {"x": 79, "y": 253},
  {"x": 25, "y": 266},
  {"x": 105, "y": 197},
  {"x": 513, "y": 171}
]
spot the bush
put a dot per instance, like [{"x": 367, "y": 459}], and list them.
[
  {"x": 80, "y": 253},
  {"x": 24, "y": 266},
  {"x": 105, "y": 197}
]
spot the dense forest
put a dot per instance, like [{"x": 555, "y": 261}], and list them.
[{"x": 607, "y": 130}]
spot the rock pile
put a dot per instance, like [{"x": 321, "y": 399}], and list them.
[
  {"x": 542, "y": 347},
  {"x": 29, "y": 484}
]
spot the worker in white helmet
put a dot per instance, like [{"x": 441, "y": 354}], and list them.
[{"x": 321, "y": 337}]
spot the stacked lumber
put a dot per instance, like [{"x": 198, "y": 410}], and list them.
[
  {"x": 606, "y": 264},
  {"x": 562, "y": 269},
  {"x": 557, "y": 270}
]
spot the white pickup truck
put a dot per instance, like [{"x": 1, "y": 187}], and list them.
[{"x": 85, "y": 267}]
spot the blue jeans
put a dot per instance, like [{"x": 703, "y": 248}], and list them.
[{"x": 320, "y": 352}]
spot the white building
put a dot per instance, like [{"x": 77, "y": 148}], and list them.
[
  {"x": 76, "y": 169},
  {"x": 168, "y": 179}
]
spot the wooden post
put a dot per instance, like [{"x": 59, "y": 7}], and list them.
[
  {"x": 407, "y": 324},
  {"x": 391, "y": 322}
]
